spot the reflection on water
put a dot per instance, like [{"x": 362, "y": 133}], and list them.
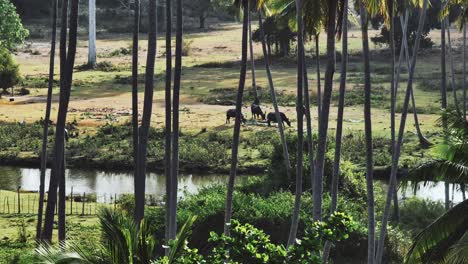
[
  {"x": 103, "y": 183},
  {"x": 434, "y": 191}
]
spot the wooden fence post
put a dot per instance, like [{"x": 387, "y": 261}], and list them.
[
  {"x": 71, "y": 201},
  {"x": 19, "y": 199},
  {"x": 83, "y": 205}
]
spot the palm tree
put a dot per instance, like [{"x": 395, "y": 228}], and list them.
[
  {"x": 67, "y": 62},
  {"x": 339, "y": 122},
  {"x": 445, "y": 240},
  {"x": 397, "y": 149},
  {"x": 136, "y": 30},
  {"x": 404, "y": 52},
  {"x": 310, "y": 138},
  {"x": 236, "y": 134},
  {"x": 300, "y": 124},
  {"x": 175, "y": 125},
  {"x": 324, "y": 112},
  {"x": 368, "y": 134},
  {"x": 92, "y": 33},
  {"x": 452, "y": 67},
  {"x": 464, "y": 70},
  {"x": 317, "y": 68},
  {"x": 252, "y": 59},
  {"x": 443, "y": 101},
  {"x": 140, "y": 181},
  {"x": 287, "y": 160},
  {"x": 168, "y": 140},
  {"x": 45, "y": 130}
]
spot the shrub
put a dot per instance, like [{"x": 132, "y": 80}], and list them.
[
  {"x": 23, "y": 91},
  {"x": 416, "y": 214},
  {"x": 186, "y": 47},
  {"x": 9, "y": 70}
]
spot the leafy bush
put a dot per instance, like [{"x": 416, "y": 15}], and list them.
[
  {"x": 9, "y": 70},
  {"x": 416, "y": 214},
  {"x": 186, "y": 47}
]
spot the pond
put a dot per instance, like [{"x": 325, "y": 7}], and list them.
[
  {"x": 104, "y": 183},
  {"x": 107, "y": 183}
]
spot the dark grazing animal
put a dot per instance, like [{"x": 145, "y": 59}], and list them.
[
  {"x": 257, "y": 111},
  {"x": 271, "y": 117},
  {"x": 231, "y": 113}
]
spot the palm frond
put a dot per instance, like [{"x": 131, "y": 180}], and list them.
[
  {"x": 117, "y": 232},
  {"x": 180, "y": 242},
  {"x": 434, "y": 242},
  {"x": 437, "y": 170},
  {"x": 458, "y": 253},
  {"x": 72, "y": 252}
]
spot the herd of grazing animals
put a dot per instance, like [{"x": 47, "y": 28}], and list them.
[{"x": 257, "y": 113}]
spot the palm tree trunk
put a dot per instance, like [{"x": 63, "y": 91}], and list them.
[
  {"x": 447, "y": 195},
  {"x": 175, "y": 123},
  {"x": 168, "y": 130},
  {"x": 67, "y": 61},
  {"x": 236, "y": 135},
  {"x": 324, "y": 113},
  {"x": 396, "y": 153},
  {"x": 443, "y": 75},
  {"x": 368, "y": 134},
  {"x": 444, "y": 97},
  {"x": 464, "y": 72},
  {"x": 136, "y": 31},
  {"x": 300, "y": 125},
  {"x": 310, "y": 136},
  {"x": 252, "y": 59},
  {"x": 317, "y": 67},
  {"x": 45, "y": 130},
  {"x": 287, "y": 160},
  {"x": 339, "y": 123},
  {"x": 462, "y": 189},
  {"x": 404, "y": 51},
  {"x": 341, "y": 101},
  {"x": 452, "y": 68},
  {"x": 146, "y": 119},
  {"x": 92, "y": 33},
  {"x": 61, "y": 199}
]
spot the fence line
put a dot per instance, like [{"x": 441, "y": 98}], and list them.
[{"x": 25, "y": 203}]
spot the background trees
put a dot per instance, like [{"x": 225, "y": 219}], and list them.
[
  {"x": 9, "y": 70},
  {"x": 12, "y": 31}
]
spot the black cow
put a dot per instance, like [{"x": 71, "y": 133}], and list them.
[
  {"x": 232, "y": 113},
  {"x": 257, "y": 111},
  {"x": 271, "y": 117}
]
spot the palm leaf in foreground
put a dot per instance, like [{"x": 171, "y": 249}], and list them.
[
  {"x": 438, "y": 170},
  {"x": 71, "y": 252},
  {"x": 442, "y": 238},
  {"x": 178, "y": 245}
]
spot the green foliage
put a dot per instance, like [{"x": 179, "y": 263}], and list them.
[
  {"x": 22, "y": 233},
  {"x": 435, "y": 241},
  {"x": 124, "y": 240},
  {"x": 9, "y": 70},
  {"x": 247, "y": 244},
  {"x": 416, "y": 214},
  {"x": 12, "y": 31}
]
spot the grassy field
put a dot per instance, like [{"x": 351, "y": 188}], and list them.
[{"x": 210, "y": 72}]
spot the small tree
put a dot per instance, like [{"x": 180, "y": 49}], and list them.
[
  {"x": 9, "y": 70},
  {"x": 12, "y": 31}
]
